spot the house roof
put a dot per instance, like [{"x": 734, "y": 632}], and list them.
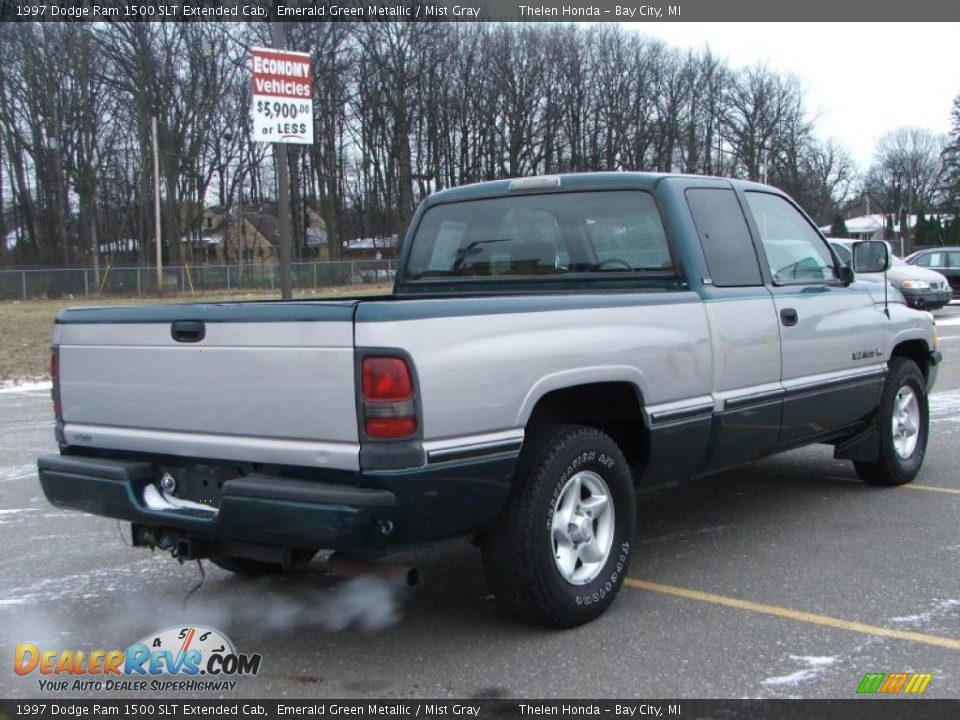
[
  {"x": 876, "y": 223},
  {"x": 374, "y": 243}
]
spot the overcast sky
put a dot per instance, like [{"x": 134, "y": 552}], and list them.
[{"x": 862, "y": 79}]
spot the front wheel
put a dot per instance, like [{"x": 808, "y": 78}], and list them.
[
  {"x": 903, "y": 421},
  {"x": 560, "y": 553}
]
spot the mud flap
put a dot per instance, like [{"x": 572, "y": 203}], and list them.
[{"x": 862, "y": 447}]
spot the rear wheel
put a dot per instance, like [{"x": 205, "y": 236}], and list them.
[
  {"x": 560, "y": 552},
  {"x": 903, "y": 421}
]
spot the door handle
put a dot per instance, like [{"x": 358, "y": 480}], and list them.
[
  {"x": 188, "y": 331},
  {"x": 789, "y": 317}
]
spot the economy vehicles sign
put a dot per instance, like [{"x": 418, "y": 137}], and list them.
[{"x": 282, "y": 107}]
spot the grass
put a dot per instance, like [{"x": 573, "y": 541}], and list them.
[{"x": 25, "y": 326}]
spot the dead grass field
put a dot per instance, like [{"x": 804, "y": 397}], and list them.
[{"x": 25, "y": 326}]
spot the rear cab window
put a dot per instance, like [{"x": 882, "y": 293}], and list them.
[{"x": 585, "y": 235}]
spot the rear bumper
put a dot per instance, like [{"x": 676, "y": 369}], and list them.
[
  {"x": 267, "y": 510},
  {"x": 926, "y": 299},
  {"x": 375, "y": 510}
]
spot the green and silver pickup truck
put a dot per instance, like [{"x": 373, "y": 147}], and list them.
[{"x": 552, "y": 345}]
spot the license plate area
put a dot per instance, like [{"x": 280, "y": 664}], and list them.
[{"x": 202, "y": 484}]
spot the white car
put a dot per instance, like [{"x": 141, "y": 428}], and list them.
[{"x": 922, "y": 289}]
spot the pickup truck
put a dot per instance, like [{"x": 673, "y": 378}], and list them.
[{"x": 552, "y": 347}]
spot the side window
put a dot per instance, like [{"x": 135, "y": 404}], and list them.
[
  {"x": 725, "y": 237},
  {"x": 842, "y": 253},
  {"x": 933, "y": 260},
  {"x": 795, "y": 252},
  {"x": 954, "y": 259}
]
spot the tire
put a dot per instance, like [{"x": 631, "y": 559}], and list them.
[
  {"x": 565, "y": 574},
  {"x": 903, "y": 404},
  {"x": 259, "y": 568}
]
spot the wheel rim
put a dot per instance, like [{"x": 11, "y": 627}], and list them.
[
  {"x": 906, "y": 422},
  {"x": 582, "y": 528}
]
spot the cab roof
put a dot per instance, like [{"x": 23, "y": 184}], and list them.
[{"x": 581, "y": 181}]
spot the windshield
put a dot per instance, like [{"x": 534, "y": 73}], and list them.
[{"x": 598, "y": 233}]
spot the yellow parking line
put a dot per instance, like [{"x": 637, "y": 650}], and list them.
[
  {"x": 908, "y": 486},
  {"x": 932, "y": 488},
  {"x": 799, "y": 615}
]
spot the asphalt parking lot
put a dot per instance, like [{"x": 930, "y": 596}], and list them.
[{"x": 787, "y": 578}]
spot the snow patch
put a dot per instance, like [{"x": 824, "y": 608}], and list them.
[
  {"x": 940, "y": 608},
  {"x": 18, "y": 472},
  {"x": 945, "y": 406},
  {"x": 31, "y": 386},
  {"x": 814, "y": 665}
]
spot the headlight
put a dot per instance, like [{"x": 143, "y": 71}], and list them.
[{"x": 915, "y": 285}]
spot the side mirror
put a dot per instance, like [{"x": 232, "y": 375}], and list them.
[{"x": 870, "y": 256}]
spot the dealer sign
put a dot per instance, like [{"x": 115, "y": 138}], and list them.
[{"x": 282, "y": 107}]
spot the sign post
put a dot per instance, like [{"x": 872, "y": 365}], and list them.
[{"x": 282, "y": 113}]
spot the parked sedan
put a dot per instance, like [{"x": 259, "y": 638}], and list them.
[
  {"x": 923, "y": 289},
  {"x": 945, "y": 261}
]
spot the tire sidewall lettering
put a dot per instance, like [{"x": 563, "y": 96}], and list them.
[{"x": 609, "y": 583}]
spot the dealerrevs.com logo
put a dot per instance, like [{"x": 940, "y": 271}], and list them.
[
  {"x": 894, "y": 683},
  {"x": 193, "y": 658}
]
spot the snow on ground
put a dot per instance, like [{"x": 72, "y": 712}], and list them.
[
  {"x": 814, "y": 665},
  {"x": 29, "y": 386},
  {"x": 941, "y": 608}
]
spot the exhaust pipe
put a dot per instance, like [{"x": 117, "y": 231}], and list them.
[{"x": 344, "y": 565}]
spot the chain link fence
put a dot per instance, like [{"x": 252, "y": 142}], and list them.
[{"x": 188, "y": 279}]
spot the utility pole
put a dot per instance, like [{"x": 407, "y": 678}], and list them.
[
  {"x": 283, "y": 188},
  {"x": 156, "y": 201}
]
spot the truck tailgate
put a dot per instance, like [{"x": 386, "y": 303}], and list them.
[{"x": 259, "y": 382}]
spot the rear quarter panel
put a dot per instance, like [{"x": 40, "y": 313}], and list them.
[{"x": 484, "y": 363}]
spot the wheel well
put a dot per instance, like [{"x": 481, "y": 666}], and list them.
[
  {"x": 613, "y": 407},
  {"x": 915, "y": 350}
]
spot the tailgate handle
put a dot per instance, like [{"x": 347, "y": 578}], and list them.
[{"x": 188, "y": 331}]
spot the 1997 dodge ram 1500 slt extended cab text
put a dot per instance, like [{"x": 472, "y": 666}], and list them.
[{"x": 552, "y": 345}]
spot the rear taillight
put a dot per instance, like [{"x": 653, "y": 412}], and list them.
[
  {"x": 55, "y": 380},
  {"x": 389, "y": 410}
]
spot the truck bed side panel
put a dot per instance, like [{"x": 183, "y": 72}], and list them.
[{"x": 482, "y": 367}]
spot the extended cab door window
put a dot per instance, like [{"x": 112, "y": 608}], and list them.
[
  {"x": 795, "y": 251},
  {"x": 725, "y": 237}
]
